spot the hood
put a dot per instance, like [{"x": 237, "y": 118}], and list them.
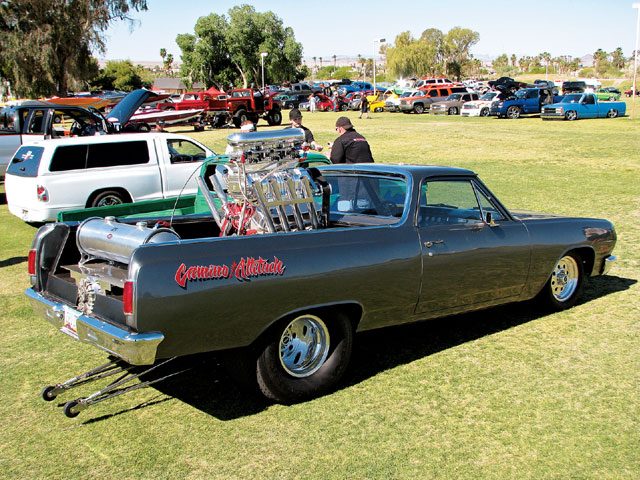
[
  {"x": 528, "y": 215},
  {"x": 126, "y": 107}
]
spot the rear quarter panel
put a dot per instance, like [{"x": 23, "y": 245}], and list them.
[{"x": 377, "y": 268}]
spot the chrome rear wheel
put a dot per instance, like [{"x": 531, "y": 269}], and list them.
[{"x": 304, "y": 346}]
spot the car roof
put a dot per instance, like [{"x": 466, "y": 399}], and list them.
[
  {"x": 416, "y": 171},
  {"x": 97, "y": 139}
]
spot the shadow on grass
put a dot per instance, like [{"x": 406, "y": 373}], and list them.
[
  {"x": 3, "y": 198},
  {"x": 12, "y": 261},
  {"x": 209, "y": 386}
]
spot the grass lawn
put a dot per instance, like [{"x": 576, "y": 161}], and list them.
[{"x": 506, "y": 393}]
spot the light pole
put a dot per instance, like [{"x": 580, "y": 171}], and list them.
[
  {"x": 262, "y": 55},
  {"x": 635, "y": 61},
  {"x": 378, "y": 42}
]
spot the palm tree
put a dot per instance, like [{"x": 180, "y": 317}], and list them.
[
  {"x": 334, "y": 60},
  {"x": 320, "y": 59}
]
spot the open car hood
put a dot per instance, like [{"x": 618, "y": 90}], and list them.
[{"x": 126, "y": 107}]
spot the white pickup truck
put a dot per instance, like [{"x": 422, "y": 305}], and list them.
[{"x": 50, "y": 176}]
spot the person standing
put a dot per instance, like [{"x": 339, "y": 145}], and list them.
[
  {"x": 312, "y": 103},
  {"x": 350, "y": 146},
  {"x": 364, "y": 105},
  {"x": 336, "y": 101},
  {"x": 295, "y": 117}
]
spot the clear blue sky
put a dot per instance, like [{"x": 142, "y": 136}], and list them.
[{"x": 345, "y": 27}]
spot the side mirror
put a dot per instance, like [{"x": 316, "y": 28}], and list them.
[{"x": 488, "y": 219}]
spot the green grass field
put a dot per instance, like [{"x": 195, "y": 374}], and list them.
[{"x": 506, "y": 393}]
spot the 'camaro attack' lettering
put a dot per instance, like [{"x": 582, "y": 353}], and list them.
[{"x": 243, "y": 270}]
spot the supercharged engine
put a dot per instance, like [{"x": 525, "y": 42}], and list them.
[{"x": 264, "y": 189}]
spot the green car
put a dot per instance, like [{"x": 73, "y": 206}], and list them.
[{"x": 608, "y": 93}]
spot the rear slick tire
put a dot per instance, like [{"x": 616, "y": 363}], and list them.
[{"x": 305, "y": 358}]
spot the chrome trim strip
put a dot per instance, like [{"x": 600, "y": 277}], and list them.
[{"x": 133, "y": 348}]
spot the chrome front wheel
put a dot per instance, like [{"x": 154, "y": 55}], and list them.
[
  {"x": 565, "y": 279},
  {"x": 565, "y": 283},
  {"x": 304, "y": 346}
]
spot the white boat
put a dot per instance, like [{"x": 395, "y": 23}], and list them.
[{"x": 170, "y": 117}]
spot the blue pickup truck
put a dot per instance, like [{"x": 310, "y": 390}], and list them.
[
  {"x": 525, "y": 102},
  {"x": 582, "y": 105}
]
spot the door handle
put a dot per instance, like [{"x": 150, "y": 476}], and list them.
[{"x": 431, "y": 243}]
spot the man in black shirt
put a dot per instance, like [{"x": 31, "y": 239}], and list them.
[
  {"x": 295, "y": 117},
  {"x": 350, "y": 146}
]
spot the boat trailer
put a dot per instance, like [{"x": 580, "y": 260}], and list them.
[{"x": 121, "y": 385}]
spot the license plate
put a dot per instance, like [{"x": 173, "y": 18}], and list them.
[{"x": 70, "y": 319}]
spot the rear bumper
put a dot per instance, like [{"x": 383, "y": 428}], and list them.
[
  {"x": 134, "y": 348},
  {"x": 27, "y": 214}
]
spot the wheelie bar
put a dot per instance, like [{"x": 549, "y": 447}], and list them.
[{"x": 113, "y": 389}]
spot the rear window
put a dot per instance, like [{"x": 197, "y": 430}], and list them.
[
  {"x": 77, "y": 157},
  {"x": 367, "y": 195},
  {"x": 26, "y": 161}
]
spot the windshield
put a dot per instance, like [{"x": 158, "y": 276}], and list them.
[
  {"x": 488, "y": 96},
  {"x": 454, "y": 96},
  {"x": 406, "y": 94},
  {"x": 575, "y": 98}
]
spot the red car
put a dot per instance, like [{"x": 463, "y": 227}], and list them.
[{"x": 323, "y": 103}]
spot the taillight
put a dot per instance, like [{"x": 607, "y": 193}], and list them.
[
  {"x": 127, "y": 298},
  {"x": 31, "y": 263},
  {"x": 43, "y": 194}
]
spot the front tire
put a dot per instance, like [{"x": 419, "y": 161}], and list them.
[
  {"x": 565, "y": 284},
  {"x": 452, "y": 111},
  {"x": 513, "y": 112},
  {"x": 571, "y": 115},
  {"x": 305, "y": 358},
  {"x": 613, "y": 113},
  {"x": 274, "y": 118},
  {"x": 484, "y": 112},
  {"x": 418, "y": 108}
]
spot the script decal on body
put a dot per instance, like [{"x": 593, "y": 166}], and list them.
[{"x": 243, "y": 270}]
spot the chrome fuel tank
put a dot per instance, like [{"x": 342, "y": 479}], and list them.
[{"x": 108, "y": 239}]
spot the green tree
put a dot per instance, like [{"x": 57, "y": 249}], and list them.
[
  {"x": 600, "y": 61},
  {"x": 501, "y": 64},
  {"x": 47, "y": 45},
  {"x": 120, "y": 75},
  {"x": 617, "y": 58},
  {"x": 227, "y": 50},
  {"x": 457, "y": 45}
]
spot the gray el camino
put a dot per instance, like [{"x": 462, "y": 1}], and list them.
[{"x": 403, "y": 243}]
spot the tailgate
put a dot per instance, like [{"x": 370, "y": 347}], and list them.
[{"x": 22, "y": 178}]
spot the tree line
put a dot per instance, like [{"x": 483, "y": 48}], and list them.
[
  {"x": 604, "y": 64},
  {"x": 47, "y": 49}
]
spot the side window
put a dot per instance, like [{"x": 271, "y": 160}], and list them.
[
  {"x": 590, "y": 100},
  {"x": 69, "y": 157},
  {"x": 448, "y": 202},
  {"x": 117, "y": 154},
  {"x": 183, "y": 151},
  {"x": 8, "y": 121},
  {"x": 443, "y": 92},
  {"x": 37, "y": 122},
  {"x": 433, "y": 93}
]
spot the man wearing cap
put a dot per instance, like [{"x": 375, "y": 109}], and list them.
[
  {"x": 295, "y": 117},
  {"x": 350, "y": 146}
]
